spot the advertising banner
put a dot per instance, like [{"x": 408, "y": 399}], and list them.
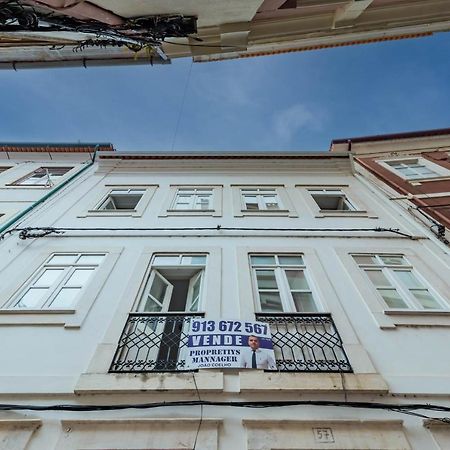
[{"x": 230, "y": 344}]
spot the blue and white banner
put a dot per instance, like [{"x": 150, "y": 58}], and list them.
[{"x": 230, "y": 344}]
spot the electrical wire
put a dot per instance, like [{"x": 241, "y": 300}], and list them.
[
  {"x": 402, "y": 408},
  {"x": 186, "y": 85},
  {"x": 31, "y": 231}
]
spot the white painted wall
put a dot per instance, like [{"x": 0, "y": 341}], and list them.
[{"x": 46, "y": 357}]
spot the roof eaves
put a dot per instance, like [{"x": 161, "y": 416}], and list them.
[
  {"x": 55, "y": 147},
  {"x": 394, "y": 136}
]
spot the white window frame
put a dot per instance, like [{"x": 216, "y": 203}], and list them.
[
  {"x": 72, "y": 317},
  {"x": 440, "y": 171},
  {"x": 68, "y": 269},
  {"x": 154, "y": 270},
  {"x": 282, "y": 192},
  {"x": 336, "y": 192},
  {"x": 193, "y": 193},
  {"x": 215, "y": 209},
  {"x": 359, "y": 210},
  {"x": 284, "y": 289},
  {"x": 48, "y": 181},
  {"x": 106, "y": 191},
  {"x": 387, "y": 270}
]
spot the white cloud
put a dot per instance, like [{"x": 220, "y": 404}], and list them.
[{"x": 288, "y": 122}]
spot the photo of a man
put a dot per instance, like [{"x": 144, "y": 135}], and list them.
[{"x": 254, "y": 357}]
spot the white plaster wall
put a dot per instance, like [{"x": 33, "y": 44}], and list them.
[{"x": 43, "y": 359}]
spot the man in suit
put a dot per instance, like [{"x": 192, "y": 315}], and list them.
[{"x": 253, "y": 357}]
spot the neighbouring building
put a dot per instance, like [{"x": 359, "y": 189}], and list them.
[
  {"x": 413, "y": 168},
  {"x": 30, "y": 173},
  {"x": 98, "y": 285},
  {"x": 73, "y": 33}
]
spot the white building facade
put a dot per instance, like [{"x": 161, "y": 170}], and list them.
[{"x": 97, "y": 297}]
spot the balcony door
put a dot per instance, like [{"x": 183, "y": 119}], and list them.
[{"x": 170, "y": 289}]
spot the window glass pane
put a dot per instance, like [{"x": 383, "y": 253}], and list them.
[
  {"x": 167, "y": 260},
  {"x": 151, "y": 305},
  {"x": 79, "y": 277},
  {"x": 297, "y": 279},
  {"x": 48, "y": 277},
  {"x": 32, "y": 298},
  {"x": 364, "y": 259},
  {"x": 251, "y": 202},
  {"x": 196, "y": 288},
  {"x": 393, "y": 260},
  {"x": 108, "y": 204},
  {"x": 158, "y": 289},
  {"x": 202, "y": 202},
  {"x": 90, "y": 259},
  {"x": 271, "y": 202},
  {"x": 194, "y": 260},
  {"x": 377, "y": 278},
  {"x": 263, "y": 260},
  {"x": 63, "y": 259},
  {"x": 290, "y": 260},
  {"x": 392, "y": 298},
  {"x": 304, "y": 302},
  {"x": 426, "y": 299},
  {"x": 266, "y": 279},
  {"x": 270, "y": 302},
  {"x": 181, "y": 206},
  {"x": 65, "y": 298},
  {"x": 407, "y": 278}
]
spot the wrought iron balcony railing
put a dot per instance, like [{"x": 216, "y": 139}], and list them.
[
  {"x": 155, "y": 342},
  {"x": 306, "y": 342}
]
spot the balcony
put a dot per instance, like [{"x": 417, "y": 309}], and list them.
[
  {"x": 155, "y": 342},
  {"x": 306, "y": 342}
]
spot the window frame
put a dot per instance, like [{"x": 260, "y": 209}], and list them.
[
  {"x": 360, "y": 207},
  {"x": 321, "y": 192},
  {"x": 106, "y": 191},
  {"x": 57, "y": 286},
  {"x": 439, "y": 170},
  {"x": 282, "y": 191},
  {"x": 215, "y": 209},
  {"x": 283, "y": 287},
  {"x": 72, "y": 317},
  {"x": 153, "y": 270},
  {"x": 364, "y": 293},
  {"x": 412, "y": 304},
  {"x": 194, "y": 193},
  {"x": 19, "y": 181}
]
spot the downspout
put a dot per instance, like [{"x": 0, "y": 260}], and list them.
[{"x": 49, "y": 194}]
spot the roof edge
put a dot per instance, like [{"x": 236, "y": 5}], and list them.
[
  {"x": 394, "y": 136},
  {"x": 36, "y": 147},
  {"x": 223, "y": 155}
]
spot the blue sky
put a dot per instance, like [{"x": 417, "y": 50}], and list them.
[{"x": 297, "y": 101}]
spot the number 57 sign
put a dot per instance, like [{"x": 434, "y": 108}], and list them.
[{"x": 229, "y": 344}]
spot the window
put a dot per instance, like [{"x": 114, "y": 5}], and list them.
[
  {"x": 260, "y": 199},
  {"x": 331, "y": 200},
  {"x": 59, "y": 282},
  {"x": 412, "y": 168},
  {"x": 398, "y": 284},
  {"x": 174, "y": 284},
  {"x": 121, "y": 200},
  {"x": 193, "y": 199},
  {"x": 44, "y": 176},
  {"x": 172, "y": 294},
  {"x": 281, "y": 283}
]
